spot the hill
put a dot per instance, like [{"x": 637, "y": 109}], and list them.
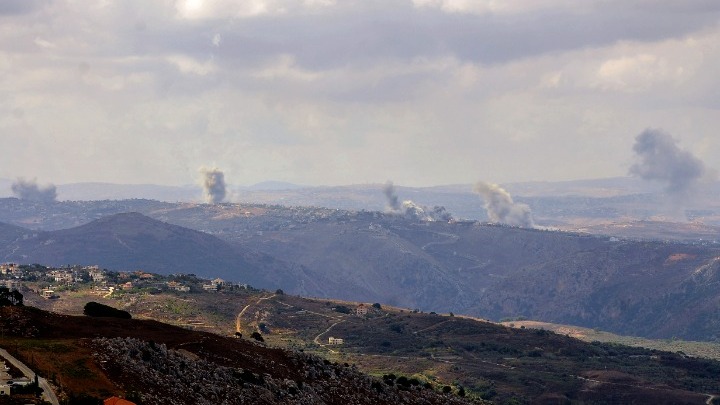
[
  {"x": 482, "y": 359},
  {"x": 134, "y": 241},
  {"x": 157, "y": 363},
  {"x": 633, "y": 287}
]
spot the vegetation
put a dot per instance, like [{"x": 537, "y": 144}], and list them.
[
  {"x": 97, "y": 309},
  {"x": 8, "y": 297}
]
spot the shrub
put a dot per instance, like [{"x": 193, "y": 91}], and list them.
[
  {"x": 100, "y": 310},
  {"x": 342, "y": 309}
]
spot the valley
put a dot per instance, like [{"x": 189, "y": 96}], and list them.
[{"x": 656, "y": 289}]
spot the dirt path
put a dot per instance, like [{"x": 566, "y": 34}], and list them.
[
  {"x": 317, "y": 338},
  {"x": 240, "y": 314},
  {"x": 452, "y": 238}
]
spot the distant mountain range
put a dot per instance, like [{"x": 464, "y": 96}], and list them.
[{"x": 566, "y": 204}]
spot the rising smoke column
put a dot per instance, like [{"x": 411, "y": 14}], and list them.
[
  {"x": 660, "y": 159},
  {"x": 29, "y": 190},
  {"x": 393, "y": 202},
  {"x": 213, "y": 183},
  {"x": 410, "y": 210},
  {"x": 501, "y": 208}
]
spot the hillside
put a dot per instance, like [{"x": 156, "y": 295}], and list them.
[
  {"x": 502, "y": 364},
  {"x": 152, "y": 361},
  {"x": 10, "y": 233},
  {"x": 633, "y": 287},
  {"x": 134, "y": 241}
]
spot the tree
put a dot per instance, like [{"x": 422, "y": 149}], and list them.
[
  {"x": 10, "y": 298},
  {"x": 96, "y": 309}
]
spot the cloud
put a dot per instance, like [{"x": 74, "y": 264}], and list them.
[
  {"x": 213, "y": 183},
  {"x": 501, "y": 208},
  {"x": 29, "y": 190},
  {"x": 16, "y": 7},
  {"x": 309, "y": 90}
]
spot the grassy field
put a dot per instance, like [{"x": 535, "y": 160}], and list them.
[{"x": 707, "y": 350}]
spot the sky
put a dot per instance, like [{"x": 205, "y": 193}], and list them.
[{"x": 333, "y": 92}]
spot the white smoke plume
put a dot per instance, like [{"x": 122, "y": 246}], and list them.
[
  {"x": 660, "y": 159},
  {"x": 411, "y": 210},
  {"x": 213, "y": 183},
  {"x": 501, "y": 208},
  {"x": 29, "y": 190}
]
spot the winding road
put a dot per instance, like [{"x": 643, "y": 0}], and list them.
[{"x": 48, "y": 393}]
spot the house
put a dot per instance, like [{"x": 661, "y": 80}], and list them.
[
  {"x": 210, "y": 287},
  {"x": 48, "y": 293},
  {"x": 174, "y": 285},
  {"x": 117, "y": 401},
  {"x": 4, "y": 390},
  {"x": 361, "y": 310},
  {"x": 335, "y": 341},
  {"x": 96, "y": 275}
]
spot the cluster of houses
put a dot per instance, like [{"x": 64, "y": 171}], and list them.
[{"x": 104, "y": 282}]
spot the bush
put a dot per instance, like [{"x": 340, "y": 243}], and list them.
[
  {"x": 342, "y": 309},
  {"x": 257, "y": 336},
  {"x": 100, "y": 310}
]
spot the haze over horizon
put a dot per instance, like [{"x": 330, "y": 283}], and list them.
[{"x": 332, "y": 92}]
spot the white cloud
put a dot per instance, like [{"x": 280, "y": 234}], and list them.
[
  {"x": 497, "y": 6},
  {"x": 222, "y": 9},
  {"x": 284, "y": 67},
  {"x": 189, "y": 65},
  {"x": 637, "y": 73}
]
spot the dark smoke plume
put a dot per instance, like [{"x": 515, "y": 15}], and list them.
[
  {"x": 29, "y": 190},
  {"x": 501, "y": 208},
  {"x": 393, "y": 202},
  {"x": 213, "y": 183},
  {"x": 660, "y": 159},
  {"x": 411, "y": 210}
]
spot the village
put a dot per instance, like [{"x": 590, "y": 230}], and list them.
[{"x": 48, "y": 281}]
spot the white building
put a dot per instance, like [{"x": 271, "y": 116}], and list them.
[{"x": 335, "y": 341}]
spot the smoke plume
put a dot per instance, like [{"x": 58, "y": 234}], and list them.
[
  {"x": 660, "y": 159},
  {"x": 411, "y": 210},
  {"x": 393, "y": 202},
  {"x": 213, "y": 183},
  {"x": 501, "y": 208},
  {"x": 29, "y": 190}
]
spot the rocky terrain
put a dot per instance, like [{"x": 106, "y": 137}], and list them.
[
  {"x": 153, "y": 362},
  {"x": 416, "y": 358}
]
